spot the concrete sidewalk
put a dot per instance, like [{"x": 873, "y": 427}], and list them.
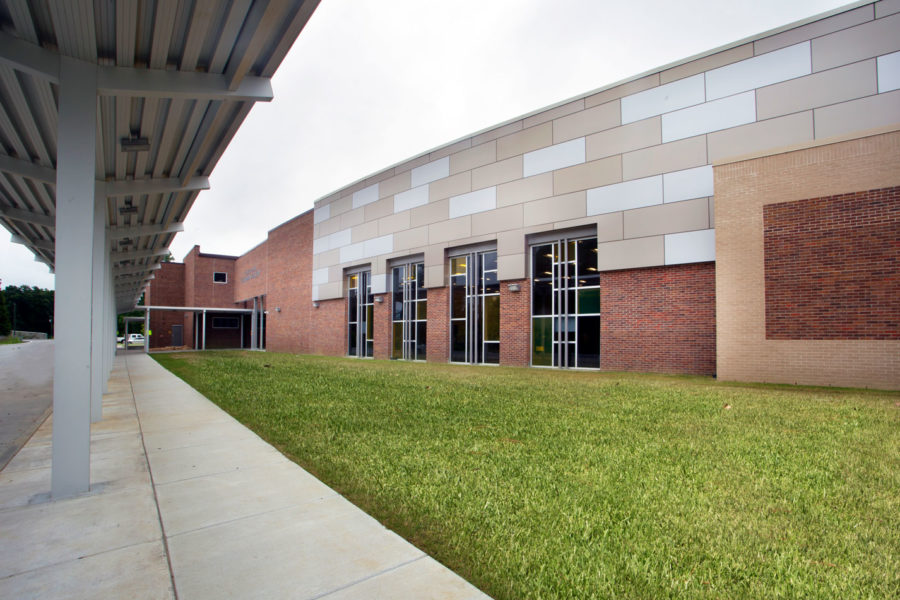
[{"x": 187, "y": 503}]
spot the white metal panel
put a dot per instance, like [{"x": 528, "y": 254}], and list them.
[
  {"x": 473, "y": 202},
  {"x": 766, "y": 69},
  {"x": 688, "y": 184},
  {"x": 711, "y": 116},
  {"x": 636, "y": 193},
  {"x": 322, "y": 213},
  {"x": 554, "y": 157},
  {"x": 889, "y": 72},
  {"x": 690, "y": 247},
  {"x": 418, "y": 196},
  {"x": 665, "y": 98},
  {"x": 367, "y": 195},
  {"x": 437, "y": 169}
]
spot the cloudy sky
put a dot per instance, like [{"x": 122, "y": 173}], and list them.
[{"x": 370, "y": 83}]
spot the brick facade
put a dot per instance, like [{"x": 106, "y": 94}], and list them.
[
  {"x": 515, "y": 324},
  {"x": 437, "y": 346},
  {"x": 167, "y": 290},
  {"x": 289, "y": 287},
  {"x": 660, "y": 319},
  {"x": 327, "y": 333},
  {"x": 743, "y": 188},
  {"x": 832, "y": 267}
]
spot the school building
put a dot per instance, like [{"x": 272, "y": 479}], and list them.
[{"x": 734, "y": 214}]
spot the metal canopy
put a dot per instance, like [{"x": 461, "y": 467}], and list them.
[{"x": 174, "y": 78}]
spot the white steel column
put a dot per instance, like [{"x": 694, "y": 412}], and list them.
[
  {"x": 146, "y": 330},
  {"x": 242, "y": 331},
  {"x": 253, "y": 325},
  {"x": 203, "y": 324},
  {"x": 98, "y": 323},
  {"x": 76, "y": 151}
]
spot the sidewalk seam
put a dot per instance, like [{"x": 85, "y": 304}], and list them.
[
  {"x": 372, "y": 576},
  {"x": 162, "y": 526}
]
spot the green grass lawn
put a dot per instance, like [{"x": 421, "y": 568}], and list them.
[
  {"x": 10, "y": 340},
  {"x": 534, "y": 483}
]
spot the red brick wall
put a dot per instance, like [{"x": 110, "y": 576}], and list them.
[
  {"x": 200, "y": 290},
  {"x": 250, "y": 272},
  {"x": 659, "y": 319},
  {"x": 437, "y": 342},
  {"x": 295, "y": 328},
  {"x": 328, "y": 332},
  {"x": 382, "y": 328},
  {"x": 515, "y": 324},
  {"x": 832, "y": 267},
  {"x": 166, "y": 289}
]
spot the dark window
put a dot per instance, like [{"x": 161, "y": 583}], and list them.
[
  {"x": 225, "y": 322},
  {"x": 220, "y": 277}
]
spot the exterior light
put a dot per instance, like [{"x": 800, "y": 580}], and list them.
[
  {"x": 379, "y": 299},
  {"x": 514, "y": 287},
  {"x": 315, "y": 305},
  {"x": 277, "y": 309},
  {"x": 134, "y": 144}
]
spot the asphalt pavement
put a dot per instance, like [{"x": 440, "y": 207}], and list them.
[{"x": 26, "y": 393}]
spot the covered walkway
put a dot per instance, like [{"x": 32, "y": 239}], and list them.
[{"x": 188, "y": 503}]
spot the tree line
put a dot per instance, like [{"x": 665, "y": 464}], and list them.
[{"x": 26, "y": 308}]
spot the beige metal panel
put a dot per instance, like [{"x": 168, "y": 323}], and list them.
[
  {"x": 689, "y": 215},
  {"x": 524, "y": 141},
  {"x": 712, "y": 212},
  {"x": 500, "y": 219},
  {"x": 819, "y": 89},
  {"x": 435, "y": 277},
  {"x": 707, "y": 63},
  {"x": 411, "y": 238},
  {"x": 580, "y": 222},
  {"x": 450, "y": 186},
  {"x": 330, "y": 291},
  {"x": 610, "y": 227},
  {"x": 857, "y": 43},
  {"x": 772, "y": 133},
  {"x": 815, "y": 29},
  {"x": 523, "y": 190},
  {"x": 352, "y": 218},
  {"x": 473, "y": 157},
  {"x": 631, "y": 254},
  {"x": 588, "y": 175},
  {"x": 430, "y": 213},
  {"x": 497, "y": 132},
  {"x": 434, "y": 255},
  {"x": 451, "y": 149},
  {"x": 510, "y": 242},
  {"x": 341, "y": 205},
  {"x": 393, "y": 223},
  {"x": 379, "y": 208},
  {"x": 328, "y": 227},
  {"x": 620, "y": 91},
  {"x": 886, "y": 7},
  {"x": 634, "y": 136},
  {"x": 327, "y": 259},
  {"x": 858, "y": 115},
  {"x": 557, "y": 208},
  {"x": 450, "y": 230},
  {"x": 674, "y": 156},
  {"x": 396, "y": 184},
  {"x": 591, "y": 120},
  {"x": 554, "y": 113},
  {"x": 511, "y": 266},
  {"x": 498, "y": 172},
  {"x": 364, "y": 231}
]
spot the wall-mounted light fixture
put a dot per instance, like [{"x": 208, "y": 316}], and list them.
[
  {"x": 379, "y": 299},
  {"x": 277, "y": 309},
  {"x": 514, "y": 287},
  {"x": 315, "y": 305}
]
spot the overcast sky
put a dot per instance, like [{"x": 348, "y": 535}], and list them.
[{"x": 370, "y": 83}]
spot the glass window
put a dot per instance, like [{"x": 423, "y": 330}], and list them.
[
  {"x": 475, "y": 308},
  {"x": 409, "y": 300},
  {"x": 360, "y": 310},
  {"x": 565, "y": 304}
]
